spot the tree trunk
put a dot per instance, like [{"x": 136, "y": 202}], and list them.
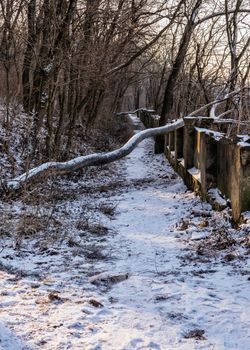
[
  {"x": 28, "y": 56},
  {"x": 168, "y": 99},
  {"x": 56, "y": 168}
]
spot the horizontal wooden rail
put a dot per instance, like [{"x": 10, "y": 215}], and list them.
[{"x": 217, "y": 167}]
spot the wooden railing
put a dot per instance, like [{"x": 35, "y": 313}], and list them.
[{"x": 215, "y": 166}]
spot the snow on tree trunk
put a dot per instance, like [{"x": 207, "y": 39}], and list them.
[{"x": 55, "y": 168}]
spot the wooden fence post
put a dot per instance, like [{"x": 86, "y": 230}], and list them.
[
  {"x": 244, "y": 163},
  {"x": 208, "y": 162},
  {"x": 189, "y": 142},
  {"x": 179, "y": 140}
]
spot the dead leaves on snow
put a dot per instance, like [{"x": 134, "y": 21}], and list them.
[
  {"x": 95, "y": 303},
  {"x": 54, "y": 297},
  {"x": 104, "y": 279},
  {"x": 197, "y": 334}
]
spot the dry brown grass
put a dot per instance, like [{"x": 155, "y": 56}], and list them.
[
  {"x": 27, "y": 224},
  {"x": 108, "y": 209},
  {"x": 92, "y": 228}
]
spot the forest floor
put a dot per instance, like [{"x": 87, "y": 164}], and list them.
[{"x": 122, "y": 257}]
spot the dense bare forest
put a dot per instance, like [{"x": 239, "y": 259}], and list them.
[{"x": 71, "y": 65}]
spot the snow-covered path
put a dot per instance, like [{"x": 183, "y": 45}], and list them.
[
  {"x": 168, "y": 296},
  {"x": 160, "y": 283}
]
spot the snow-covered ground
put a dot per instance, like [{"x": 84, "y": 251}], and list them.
[{"x": 139, "y": 263}]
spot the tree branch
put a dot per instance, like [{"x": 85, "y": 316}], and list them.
[
  {"x": 55, "y": 168},
  {"x": 218, "y": 14},
  {"x": 216, "y": 102},
  {"x": 148, "y": 45}
]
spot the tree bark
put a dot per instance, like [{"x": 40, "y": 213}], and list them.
[
  {"x": 28, "y": 56},
  {"x": 168, "y": 99},
  {"x": 55, "y": 168}
]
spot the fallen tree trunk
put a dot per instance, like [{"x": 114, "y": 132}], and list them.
[{"x": 55, "y": 168}]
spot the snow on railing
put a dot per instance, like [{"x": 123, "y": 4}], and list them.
[{"x": 209, "y": 161}]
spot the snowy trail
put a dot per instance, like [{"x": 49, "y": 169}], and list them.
[
  {"x": 165, "y": 298},
  {"x": 151, "y": 290}
]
